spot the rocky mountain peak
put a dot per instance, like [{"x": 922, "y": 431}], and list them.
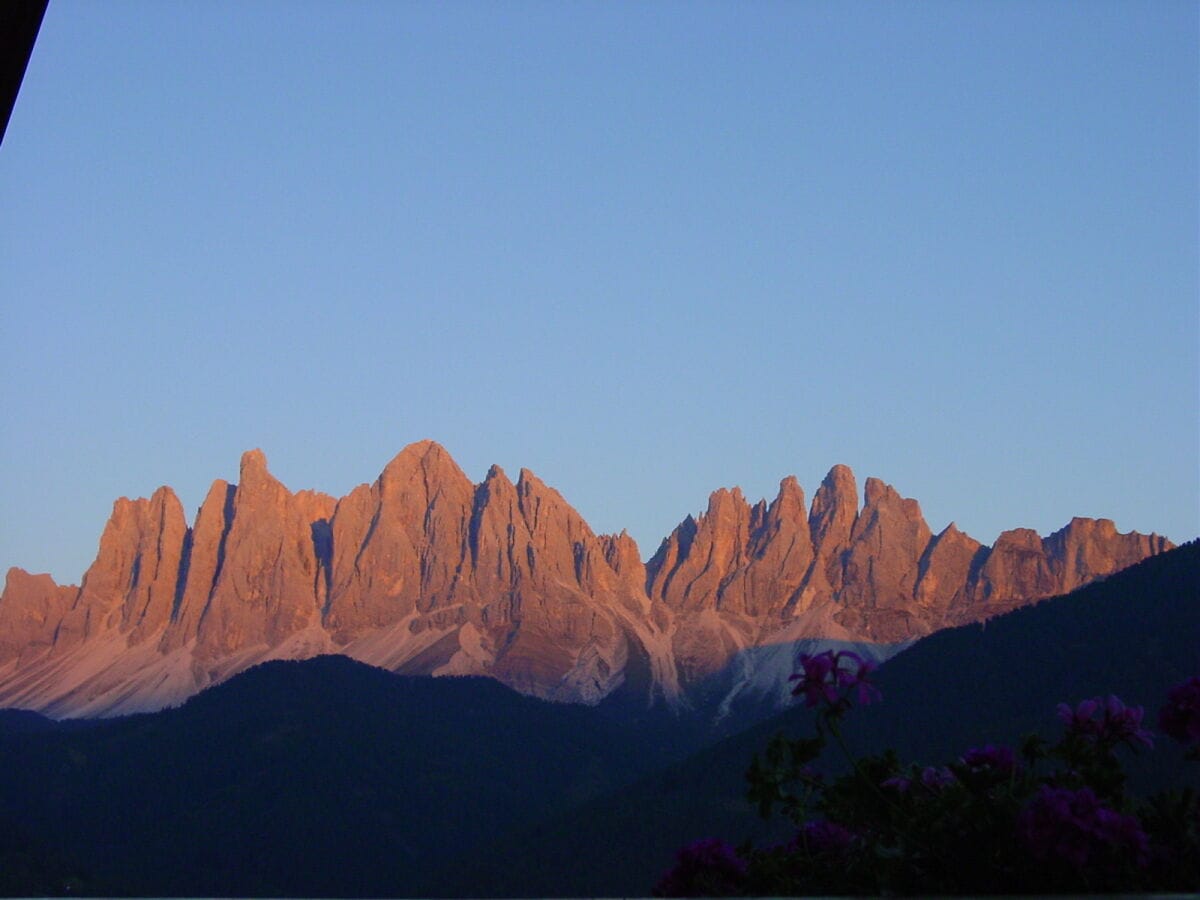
[
  {"x": 834, "y": 508},
  {"x": 830, "y": 521},
  {"x": 789, "y": 502},
  {"x": 726, "y": 504},
  {"x": 622, "y": 554},
  {"x": 31, "y": 609},
  {"x": 131, "y": 586},
  {"x": 426, "y": 463},
  {"x": 882, "y": 563},
  {"x": 555, "y": 525},
  {"x": 875, "y": 492},
  {"x": 496, "y": 473},
  {"x": 253, "y": 463},
  {"x": 947, "y": 569}
]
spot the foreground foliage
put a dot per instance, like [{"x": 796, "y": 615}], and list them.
[{"x": 1043, "y": 818}]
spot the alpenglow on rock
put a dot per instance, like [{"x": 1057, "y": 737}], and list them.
[{"x": 424, "y": 572}]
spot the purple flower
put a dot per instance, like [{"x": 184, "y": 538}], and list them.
[
  {"x": 823, "y": 677},
  {"x": 1180, "y": 717},
  {"x": 859, "y": 679},
  {"x": 1116, "y": 723},
  {"x": 846, "y": 677},
  {"x": 998, "y": 759},
  {"x": 898, "y": 783},
  {"x": 1075, "y": 828},
  {"x": 815, "y": 683},
  {"x": 707, "y": 868},
  {"x": 1124, "y": 723}
]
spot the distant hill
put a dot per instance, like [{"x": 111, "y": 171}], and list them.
[{"x": 1135, "y": 634}]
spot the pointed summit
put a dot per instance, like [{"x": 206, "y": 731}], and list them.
[
  {"x": 424, "y": 454},
  {"x": 882, "y": 564},
  {"x": 834, "y": 509},
  {"x": 397, "y": 544},
  {"x": 834, "y": 506},
  {"x": 789, "y": 502},
  {"x": 205, "y": 555},
  {"x": 418, "y": 473},
  {"x": 131, "y": 585},
  {"x": 256, "y": 485},
  {"x": 779, "y": 555},
  {"x": 31, "y": 608},
  {"x": 689, "y": 568},
  {"x": 875, "y": 490},
  {"x": 253, "y": 464},
  {"x": 946, "y": 570},
  {"x": 726, "y": 504}
]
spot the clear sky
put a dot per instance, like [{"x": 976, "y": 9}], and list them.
[{"x": 644, "y": 249}]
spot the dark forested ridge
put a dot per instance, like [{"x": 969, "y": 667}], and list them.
[{"x": 317, "y": 778}]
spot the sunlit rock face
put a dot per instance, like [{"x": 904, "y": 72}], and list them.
[{"x": 425, "y": 572}]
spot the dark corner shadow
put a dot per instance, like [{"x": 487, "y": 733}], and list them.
[{"x": 20, "y": 21}]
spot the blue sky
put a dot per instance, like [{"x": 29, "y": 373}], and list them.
[{"x": 644, "y": 249}]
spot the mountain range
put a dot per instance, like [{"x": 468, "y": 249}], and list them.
[{"x": 424, "y": 572}]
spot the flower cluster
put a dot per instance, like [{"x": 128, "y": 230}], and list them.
[
  {"x": 1053, "y": 818},
  {"x": 1076, "y": 828},
  {"x": 708, "y": 868},
  {"x": 823, "y": 679},
  {"x": 1180, "y": 717},
  {"x": 1115, "y": 724}
]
